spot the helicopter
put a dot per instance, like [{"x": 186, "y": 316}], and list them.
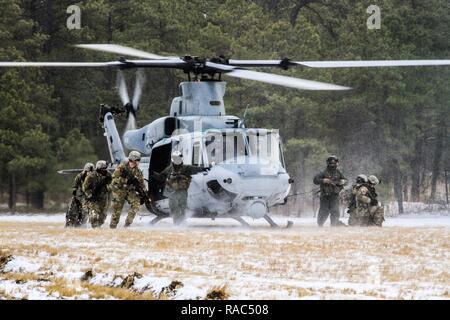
[{"x": 246, "y": 173}]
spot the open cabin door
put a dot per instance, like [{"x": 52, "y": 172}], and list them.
[{"x": 159, "y": 160}]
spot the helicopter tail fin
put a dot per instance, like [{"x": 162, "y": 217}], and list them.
[{"x": 112, "y": 136}]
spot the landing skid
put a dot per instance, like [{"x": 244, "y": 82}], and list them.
[
  {"x": 242, "y": 221},
  {"x": 239, "y": 219},
  {"x": 158, "y": 218},
  {"x": 273, "y": 224}
]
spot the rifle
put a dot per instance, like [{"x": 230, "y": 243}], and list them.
[
  {"x": 99, "y": 187},
  {"x": 143, "y": 195},
  {"x": 335, "y": 183}
]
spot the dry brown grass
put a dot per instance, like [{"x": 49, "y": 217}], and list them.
[
  {"x": 64, "y": 288},
  {"x": 24, "y": 277},
  {"x": 101, "y": 292},
  {"x": 4, "y": 295},
  {"x": 218, "y": 293},
  {"x": 402, "y": 255}
]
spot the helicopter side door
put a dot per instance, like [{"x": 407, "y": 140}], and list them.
[{"x": 159, "y": 160}]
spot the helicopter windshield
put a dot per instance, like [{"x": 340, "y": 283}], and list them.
[{"x": 244, "y": 146}]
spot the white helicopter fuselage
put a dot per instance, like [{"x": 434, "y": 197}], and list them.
[{"x": 245, "y": 173}]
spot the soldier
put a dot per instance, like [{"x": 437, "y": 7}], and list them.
[
  {"x": 96, "y": 188},
  {"x": 361, "y": 180},
  {"x": 376, "y": 211},
  {"x": 363, "y": 199},
  {"x": 178, "y": 178},
  {"x": 127, "y": 181},
  {"x": 78, "y": 211},
  {"x": 331, "y": 182}
]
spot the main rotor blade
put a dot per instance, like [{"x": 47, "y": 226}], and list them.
[
  {"x": 373, "y": 63},
  {"x": 61, "y": 64},
  {"x": 283, "y": 80},
  {"x": 255, "y": 63},
  {"x": 176, "y": 63},
  {"x": 126, "y": 51},
  {"x": 338, "y": 64},
  {"x": 273, "y": 78}
]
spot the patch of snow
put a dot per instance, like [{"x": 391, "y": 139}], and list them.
[
  {"x": 70, "y": 275},
  {"x": 189, "y": 292},
  {"x": 153, "y": 283},
  {"x": 19, "y": 264},
  {"x": 30, "y": 290},
  {"x": 61, "y": 218},
  {"x": 419, "y": 218},
  {"x": 422, "y": 220},
  {"x": 102, "y": 279}
]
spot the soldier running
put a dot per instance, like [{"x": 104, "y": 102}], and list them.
[
  {"x": 78, "y": 211},
  {"x": 127, "y": 179},
  {"x": 96, "y": 188},
  {"x": 331, "y": 182}
]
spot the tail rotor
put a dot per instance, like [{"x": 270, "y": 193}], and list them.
[{"x": 131, "y": 106}]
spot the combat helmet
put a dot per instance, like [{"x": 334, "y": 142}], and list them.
[
  {"x": 89, "y": 166},
  {"x": 332, "y": 158},
  {"x": 101, "y": 165},
  {"x": 362, "y": 178},
  {"x": 177, "y": 158},
  {"x": 134, "y": 156},
  {"x": 373, "y": 180},
  {"x": 332, "y": 162}
]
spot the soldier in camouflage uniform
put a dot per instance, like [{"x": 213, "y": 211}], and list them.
[
  {"x": 376, "y": 211},
  {"x": 123, "y": 189},
  {"x": 363, "y": 200},
  {"x": 96, "y": 188},
  {"x": 331, "y": 182},
  {"x": 369, "y": 212},
  {"x": 361, "y": 180},
  {"x": 77, "y": 213},
  {"x": 178, "y": 179}
]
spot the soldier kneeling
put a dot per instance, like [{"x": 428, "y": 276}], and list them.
[
  {"x": 353, "y": 219},
  {"x": 376, "y": 211},
  {"x": 368, "y": 210},
  {"x": 77, "y": 213}
]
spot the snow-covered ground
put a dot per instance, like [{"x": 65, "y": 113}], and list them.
[{"x": 406, "y": 259}]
